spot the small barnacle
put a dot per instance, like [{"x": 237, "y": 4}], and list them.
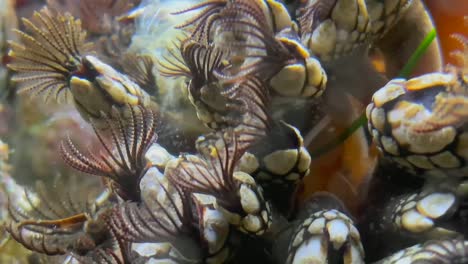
[
  {"x": 213, "y": 172},
  {"x": 52, "y": 222},
  {"x": 49, "y": 54},
  {"x": 157, "y": 220},
  {"x": 123, "y": 161},
  {"x": 206, "y": 92},
  {"x": 277, "y": 57}
]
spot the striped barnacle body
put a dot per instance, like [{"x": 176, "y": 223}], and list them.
[
  {"x": 331, "y": 29},
  {"x": 325, "y": 234}
]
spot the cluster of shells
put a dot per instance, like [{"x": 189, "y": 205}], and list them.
[{"x": 215, "y": 179}]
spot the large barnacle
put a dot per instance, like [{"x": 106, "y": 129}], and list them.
[
  {"x": 125, "y": 144},
  {"x": 173, "y": 224},
  {"x": 53, "y": 222},
  {"x": 420, "y": 123}
]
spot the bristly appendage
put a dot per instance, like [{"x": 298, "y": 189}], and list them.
[
  {"x": 256, "y": 120},
  {"x": 173, "y": 64},
  {"x": 123, "y": 161},
  {"x": 212, "y": 171},
  {"x": 45, "y": 58},
  {"x": 201, "y": 24},
  {"x": 140, "y": 69}
]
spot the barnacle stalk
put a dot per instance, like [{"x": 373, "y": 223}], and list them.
[
  {"x": 47, "y": 57},
  {"x": 123, "y": 161}
]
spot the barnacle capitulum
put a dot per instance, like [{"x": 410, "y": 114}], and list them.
[
  {"x": 206, "y": 92},
  {"x": 420, "y": 123},
  {"x": 173, "y": 223}
]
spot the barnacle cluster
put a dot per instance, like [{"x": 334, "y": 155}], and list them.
[{"x": 218, "y": 182}]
